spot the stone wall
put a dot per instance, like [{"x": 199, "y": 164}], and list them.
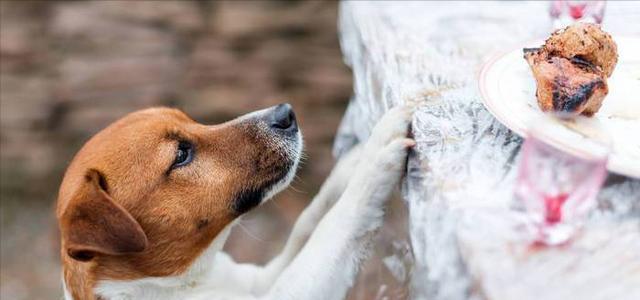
[{"x": 70, "y": 68}]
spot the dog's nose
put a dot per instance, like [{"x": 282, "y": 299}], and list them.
[{"x": 283, "y": 117}]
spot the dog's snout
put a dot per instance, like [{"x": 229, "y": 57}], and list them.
[{"x": 283, "y": 118}]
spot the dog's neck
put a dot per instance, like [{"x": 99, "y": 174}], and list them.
[{"x": 146, "y": 288}]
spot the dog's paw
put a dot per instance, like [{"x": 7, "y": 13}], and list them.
[
  {"x": 374, "y": 182},
  {"x": 391, "y": 159},
  {"x": 384, "y": 156},
  {"x": 393, "y": 125},
  {"x": 388, "y": 166}
]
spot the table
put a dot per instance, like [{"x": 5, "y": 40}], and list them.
[{"x": 460, "y": 178}]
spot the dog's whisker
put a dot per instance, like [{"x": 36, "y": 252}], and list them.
[
  {"x": 250, "y": 234},
  {"x": 276, "y": 204},
  {"x": 296, "y": 189},
  {"x": 298, "y": 179}
]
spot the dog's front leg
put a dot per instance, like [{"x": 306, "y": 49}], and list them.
[
  {"x": 327, "y": 265},
  {"x": 308, "y": 220}
]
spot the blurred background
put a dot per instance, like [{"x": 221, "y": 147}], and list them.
[{"x": 69, "y": 68}]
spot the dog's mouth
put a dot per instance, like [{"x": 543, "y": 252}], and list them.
[
  {"x": 282, "y": 139},
  {"x": 250, "y": 197}
]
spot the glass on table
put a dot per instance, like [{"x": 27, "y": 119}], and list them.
[
  {"x": 565, "y": 12},
  {"x": 558, "y": 189}
]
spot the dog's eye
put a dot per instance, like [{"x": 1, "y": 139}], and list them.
[{"x": 184, "y": 154}]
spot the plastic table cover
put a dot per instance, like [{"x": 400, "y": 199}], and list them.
[{"x": 461, "y": 175}]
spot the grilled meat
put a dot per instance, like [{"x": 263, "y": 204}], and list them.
[
  {"x": 571, "y": 69},
  {"x": 587, "y": 42},
  {"x": 564, "y": 86}
]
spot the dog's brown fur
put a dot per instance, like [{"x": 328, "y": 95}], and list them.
[{"x": 124, "y": 214}]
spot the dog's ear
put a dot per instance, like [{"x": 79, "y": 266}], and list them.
[{"x": 94, "y": 224}]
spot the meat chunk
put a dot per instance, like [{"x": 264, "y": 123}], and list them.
[
  {"x": 566, "y": 86},
  {"x": 587, "y": 42},
  {"x": 571, "y": 69}
]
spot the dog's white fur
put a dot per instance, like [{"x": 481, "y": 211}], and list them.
[{"x": 327, "y": 244}]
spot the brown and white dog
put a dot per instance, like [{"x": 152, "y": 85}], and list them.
[{"x": 146, "y": 206}]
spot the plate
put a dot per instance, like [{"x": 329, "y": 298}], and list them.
[{"x": 508, "y": 92}]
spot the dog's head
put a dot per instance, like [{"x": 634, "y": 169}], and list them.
[{"x": 145, "y": 196}]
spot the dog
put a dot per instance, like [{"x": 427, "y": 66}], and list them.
[{"x": 147, "y": 204}]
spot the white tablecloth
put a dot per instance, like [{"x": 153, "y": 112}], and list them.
[{"x": 461, "y": 177}]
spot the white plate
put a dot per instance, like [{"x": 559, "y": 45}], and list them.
[{"x": 508, "y": 92}]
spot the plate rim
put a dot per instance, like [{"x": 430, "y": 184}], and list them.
[{"x": 613, "y": 165}]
